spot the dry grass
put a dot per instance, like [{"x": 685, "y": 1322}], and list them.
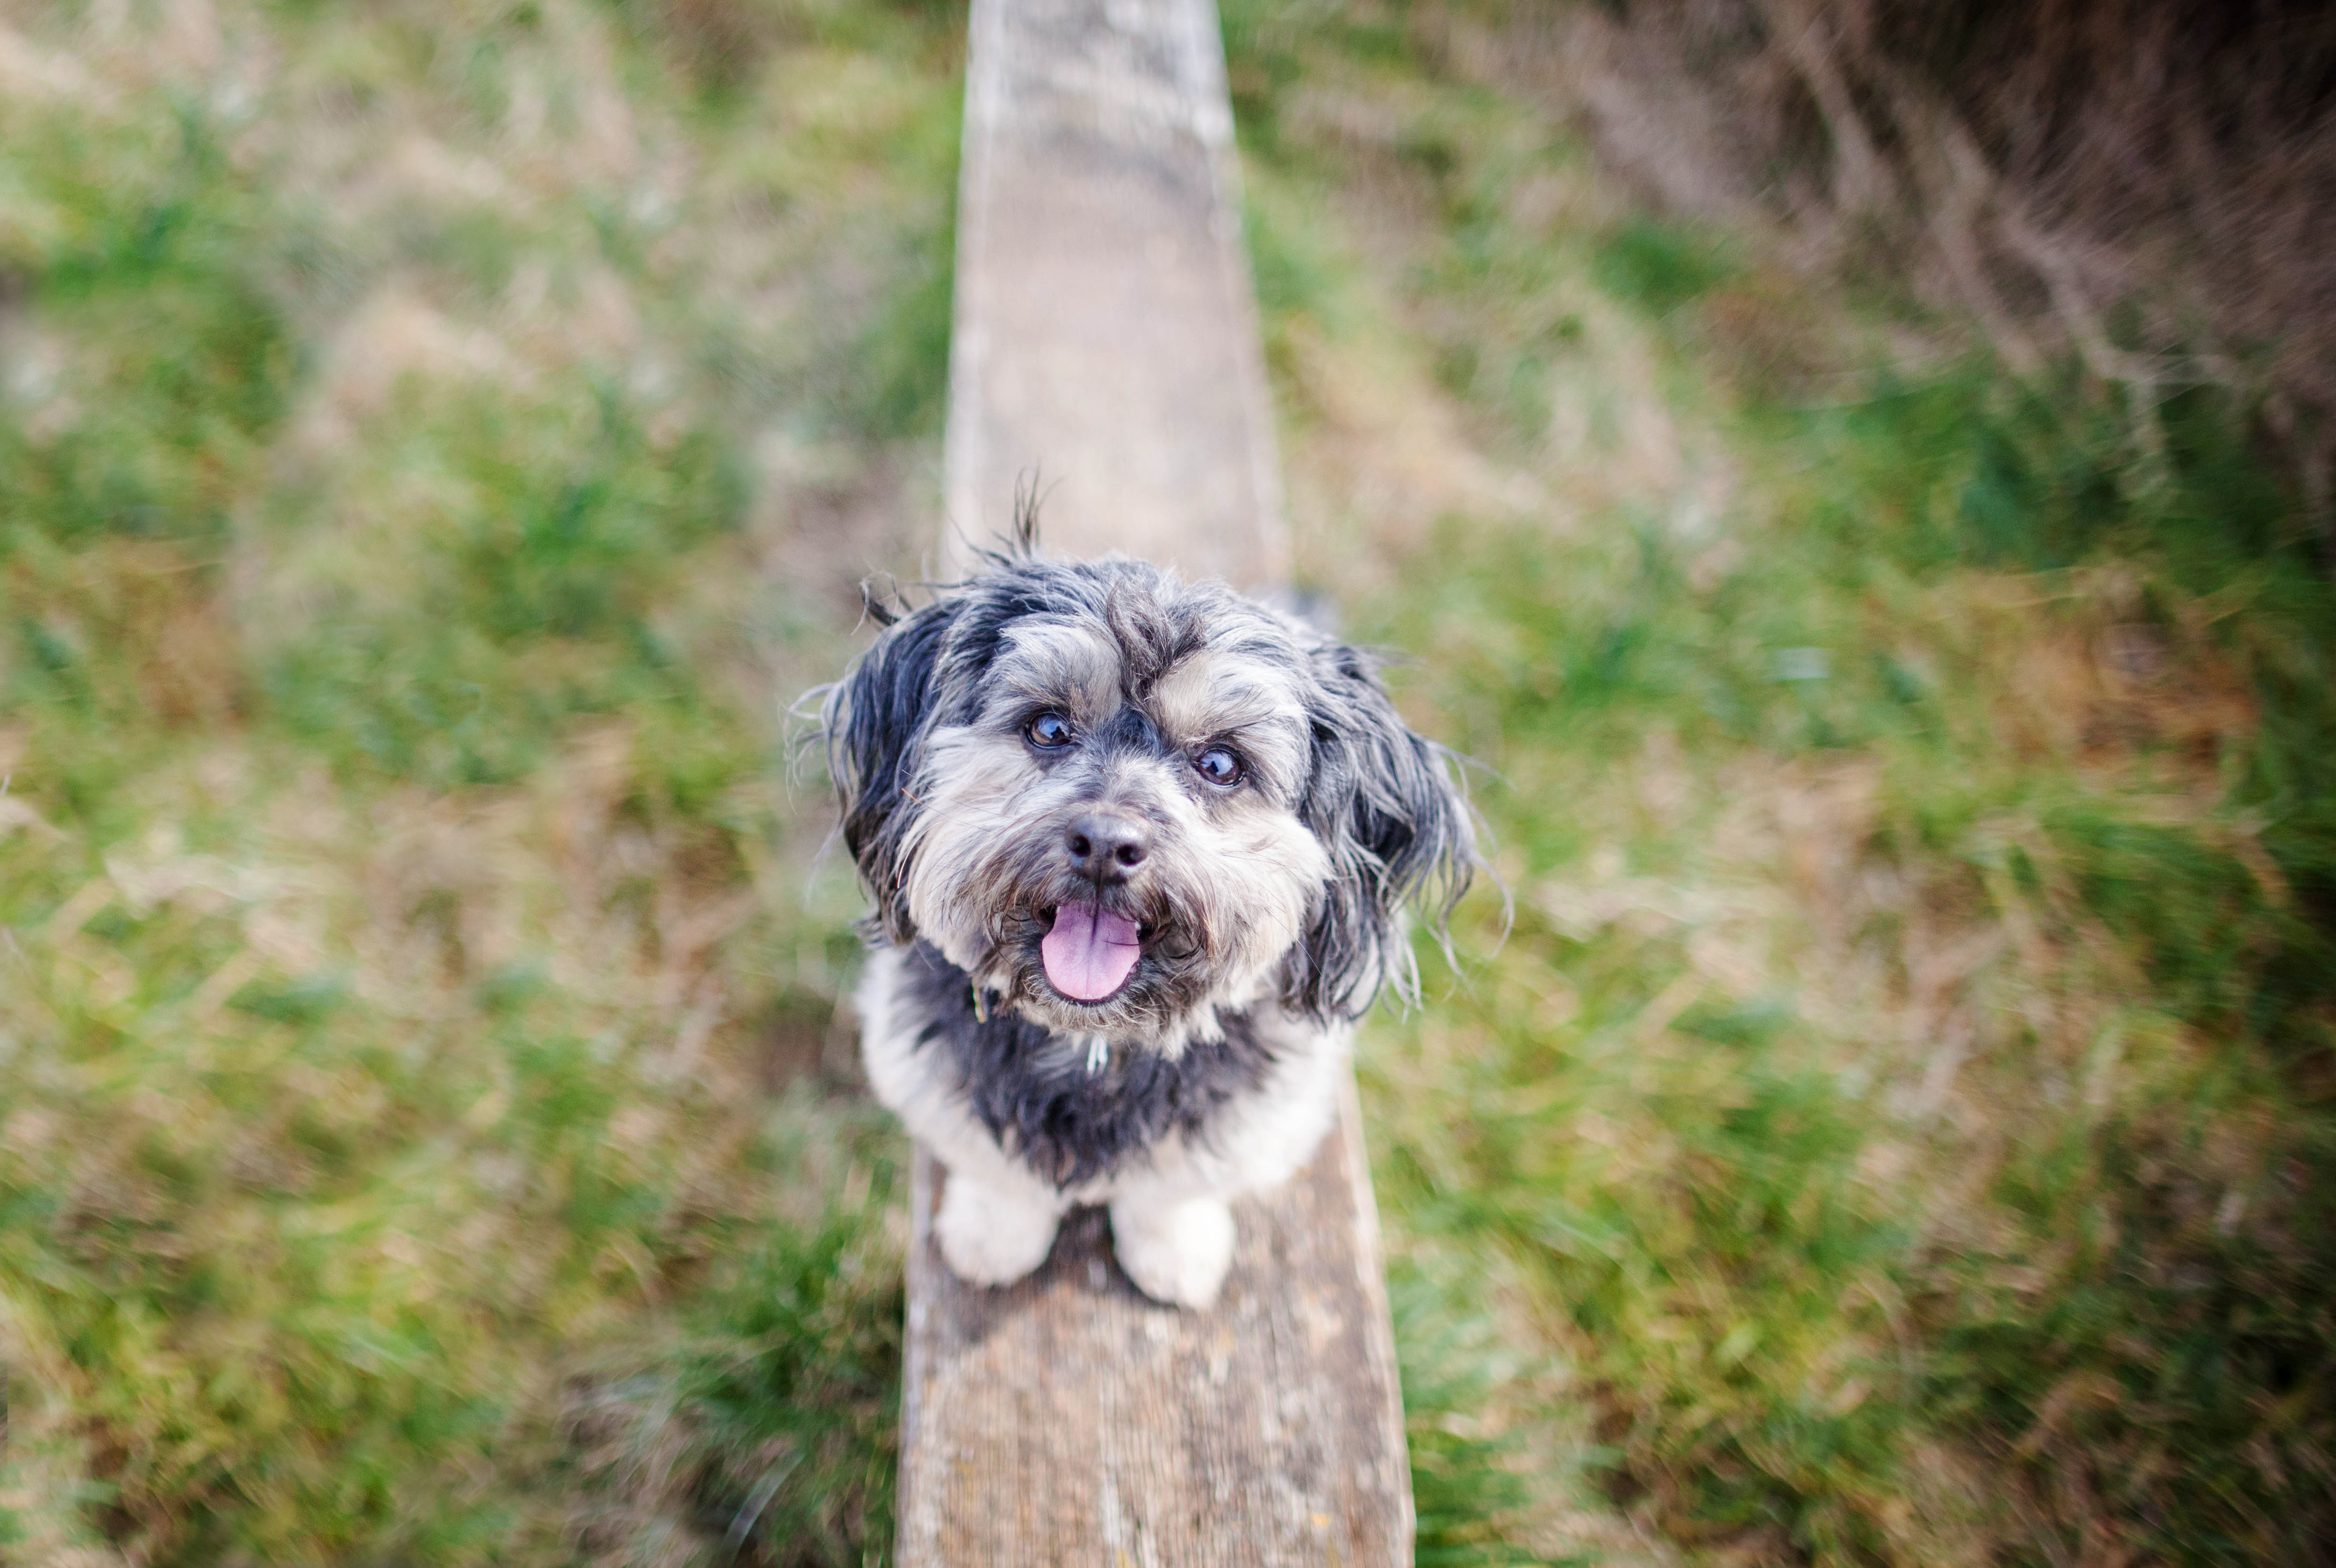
[{"x": 2142, "y": 189}]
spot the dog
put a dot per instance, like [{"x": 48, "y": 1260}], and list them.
[{"x": 1141, "y": 851}]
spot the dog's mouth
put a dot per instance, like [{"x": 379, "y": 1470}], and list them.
[{"x": 1090, "y": 952}]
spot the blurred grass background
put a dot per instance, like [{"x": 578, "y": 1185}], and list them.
[{"x": 435, "y": 441}]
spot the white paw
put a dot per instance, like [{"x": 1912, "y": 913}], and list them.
[
  {"x": 1178, "y": 1253},
  {"x": 989, "y": 1237}
]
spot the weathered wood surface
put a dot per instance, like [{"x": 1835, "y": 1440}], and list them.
[
  {"x": 1066, "y": 1419},
  {"x": 1106, "y": 339},
  {"x": 1105, "y": 336}
]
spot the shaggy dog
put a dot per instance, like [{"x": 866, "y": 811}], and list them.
[{"x": 1139, "y": 849}]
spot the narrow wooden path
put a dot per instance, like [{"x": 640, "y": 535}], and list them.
[{"x": 1106, "y": 339}]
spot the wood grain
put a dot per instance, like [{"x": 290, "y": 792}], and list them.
[
  {"x": 1066, "y": 1419},
  {"x": 1105, "y": 341}
]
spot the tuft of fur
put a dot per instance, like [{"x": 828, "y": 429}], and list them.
[
  {"x": 1070, "y": 1117},
  {"x": 1269, "y": 909}
]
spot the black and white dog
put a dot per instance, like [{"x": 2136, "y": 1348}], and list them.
[{"x": 1139, "y": 849}]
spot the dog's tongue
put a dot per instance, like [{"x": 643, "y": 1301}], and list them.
[{"x": 1089, "y": 952}]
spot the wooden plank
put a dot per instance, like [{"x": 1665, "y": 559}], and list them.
[
  {"x": 1105, "y": 336},
  {"x": 1066, "y": 1419},
  {"x": 1106, "y": 339}
]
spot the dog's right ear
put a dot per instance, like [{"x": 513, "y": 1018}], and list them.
[{"x": 873, "y": 722}]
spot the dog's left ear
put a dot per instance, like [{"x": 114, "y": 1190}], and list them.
[
  {"x": 873, "y": 721},
  {"x": 1388, "y": 807}
]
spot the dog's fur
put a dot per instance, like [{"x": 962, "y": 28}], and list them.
[{"x": 1269, "y": 909}]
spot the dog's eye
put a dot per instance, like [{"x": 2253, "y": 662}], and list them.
[
  {"x": 1049, "y": 731},
  {"x": 1219, "y": 766}
]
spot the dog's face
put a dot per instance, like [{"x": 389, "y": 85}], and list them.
[{"x": 1122, "y": 803}]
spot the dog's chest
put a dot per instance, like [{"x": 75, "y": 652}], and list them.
[{"x": 1071, "y": 1111}]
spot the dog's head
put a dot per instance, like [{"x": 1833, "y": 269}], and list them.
[{"x": 1122, "y": 802}]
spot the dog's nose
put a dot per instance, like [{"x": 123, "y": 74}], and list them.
[{"x": 1106, "y": 846}]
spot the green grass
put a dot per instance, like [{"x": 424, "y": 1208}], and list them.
[
  {"x": 1901, "y": 1106},
  {"x": 407, "y": 917},
  {"x": 432, "y": 442}
]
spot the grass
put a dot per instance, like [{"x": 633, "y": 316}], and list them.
[
  {"x": 1900, "y": 1112},
  {"x": 417, "y": 981},
  {"x": 1895, "y": 1128}
]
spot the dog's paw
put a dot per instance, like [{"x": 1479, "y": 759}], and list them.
[
  {"x": 988, "y": 1237},
  {"x": 1177, "y": 1254}
]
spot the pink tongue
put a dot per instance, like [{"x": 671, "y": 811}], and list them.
[{"x": 1089, "y": 952}]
